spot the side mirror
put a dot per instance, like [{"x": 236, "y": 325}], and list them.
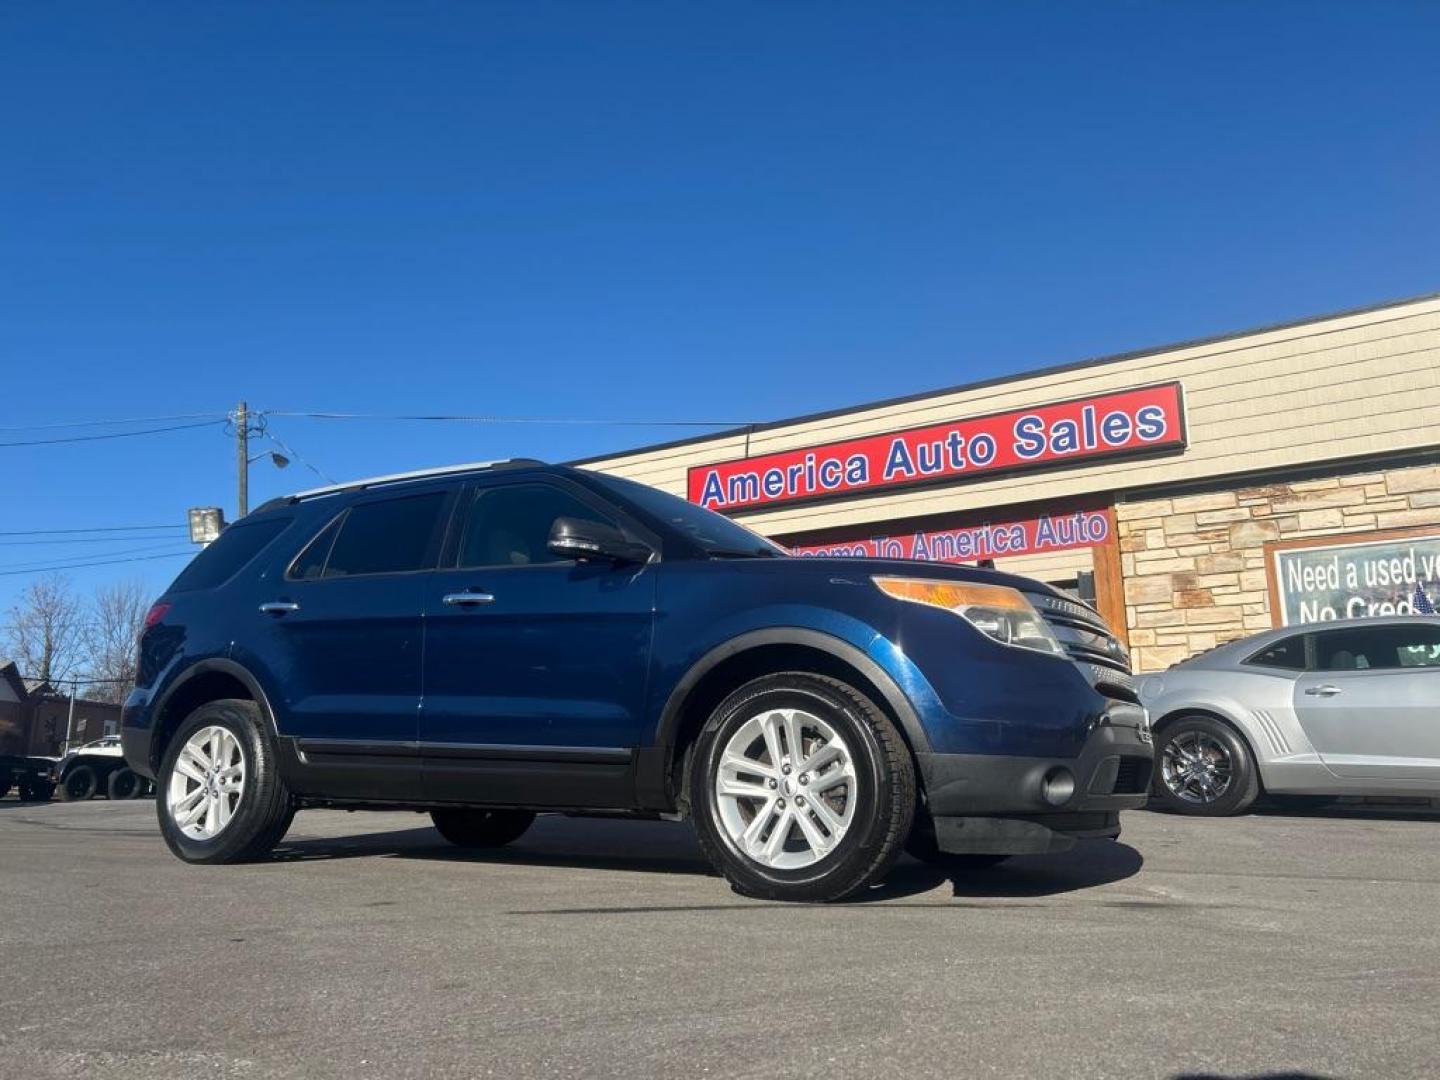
[{"x": 576, "y": 538}]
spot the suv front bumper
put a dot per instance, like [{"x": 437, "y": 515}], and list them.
[{"x": 1003, "y": 805}]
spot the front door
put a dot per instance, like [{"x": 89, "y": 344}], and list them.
[
  {"x": 342, "y": 631},
  {"x": 535, "y": 667},
  {"x": 1371, "y": 704}
]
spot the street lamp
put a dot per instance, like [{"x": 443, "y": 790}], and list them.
[{"x": 279, "y": 459}]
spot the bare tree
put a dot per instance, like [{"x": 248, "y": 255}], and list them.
[
  {"x": 45, "y": 631},
  {"x": 116, "y": 618}
]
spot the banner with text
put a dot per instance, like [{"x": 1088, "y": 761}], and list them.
[
  {"x": 1346, "y": 581},
  {"x": 995, "y": 540},
  {"x": 1126, "y": 422}
]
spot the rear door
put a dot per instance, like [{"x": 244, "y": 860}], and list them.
[
  {"x": 1371, "y": 703},
  {"x": 342, "y": 632},
  {"x": 535, "y": 666}
]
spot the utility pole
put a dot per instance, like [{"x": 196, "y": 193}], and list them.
[
  {"x": 242, "y": 457},
  {"x": 70, "y": 719},
  {"x": 242, "y": 419}
]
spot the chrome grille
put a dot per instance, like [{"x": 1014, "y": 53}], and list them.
[{"x": 1088, "y": 641}]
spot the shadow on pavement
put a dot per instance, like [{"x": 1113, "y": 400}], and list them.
[
  {"x": 1252, "y": 1076},
  {"x": 670, "y": 848},
  {"x": 1353, "y": 812},
  {"x": 1302, "y": 807}
]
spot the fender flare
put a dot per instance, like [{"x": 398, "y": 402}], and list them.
[
  {"x": 655, "y": 765},
  {"x": 208, "y": 666}
]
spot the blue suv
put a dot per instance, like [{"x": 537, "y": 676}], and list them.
[{"x": 492, "y": 641}]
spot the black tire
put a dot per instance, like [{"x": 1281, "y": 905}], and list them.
[
  {"x": 264, "y": 811},
  {"x": 921, "y": 845},
  {"x": 4, "y": 782},
  {"x": 478, "y": 828},
  {"x": 884, "y": 789},
  {"x": 36, "y": 791},
  {"x": 79, "y": 784},
  {"x": 124, "y": 784},
  {"x": 1243, "y": 785}
]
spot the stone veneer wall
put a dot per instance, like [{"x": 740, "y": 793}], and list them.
[{"x": 1194, "y": 565}]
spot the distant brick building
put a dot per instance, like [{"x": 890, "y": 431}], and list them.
[{"x": 33, "y": 722}]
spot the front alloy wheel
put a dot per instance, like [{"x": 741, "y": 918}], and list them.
[
  {"x": 801, "y": 788},
  {"x": 785, "y": 789},
  {"x": 1196, "y": 767},
  {"x": 1206, "y": 768}
]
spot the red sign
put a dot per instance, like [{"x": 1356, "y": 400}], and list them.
[
  {"x": 993, "y": 540},
  {"x": 1134, "y": 421}
]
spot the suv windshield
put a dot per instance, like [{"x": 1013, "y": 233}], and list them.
[{"x": 717, "y": 534}]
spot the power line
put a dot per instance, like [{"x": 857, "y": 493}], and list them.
[
  {"x": 113, "y": 435},
  {"x": 59, "y": 561},
  {"x": 117, "y": 420},
  {"x": 317, "y": 471},
  {"x": 483, "y": 419},
  {"x": 60, "y": 542},
  {"x": 89, "y": 529},
  {"x": 103, "y": 562},
  {"x": 54, "y": 679}
]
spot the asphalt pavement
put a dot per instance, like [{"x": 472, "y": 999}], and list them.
[{"x": 1258, "y": 946}]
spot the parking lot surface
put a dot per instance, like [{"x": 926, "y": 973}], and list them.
[{"x": 1263, "y": 945}]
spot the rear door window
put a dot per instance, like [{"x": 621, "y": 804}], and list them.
[
  {"x": 389, "y": 536},
  {"x": 224, "y": 558}
]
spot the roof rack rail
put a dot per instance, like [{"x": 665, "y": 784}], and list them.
[{"x": 416, "y": 474}]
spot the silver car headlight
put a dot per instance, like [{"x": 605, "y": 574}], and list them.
[{"x": 997, "y": 611}]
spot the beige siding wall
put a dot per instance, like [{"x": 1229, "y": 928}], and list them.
[
  {"x": 1352, "y": 385},
  {"x": 1049, "y": 565}
]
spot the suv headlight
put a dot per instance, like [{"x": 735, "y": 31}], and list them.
[{"x": 997, "y": 611}]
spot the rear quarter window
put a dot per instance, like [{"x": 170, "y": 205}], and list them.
[
  {"x": 229, "y": 554},
  {"x": 1288, "y": 654}
]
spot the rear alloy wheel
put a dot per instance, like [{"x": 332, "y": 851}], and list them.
[
  {"x": 220, "y": 796},
  {"x": 801, "y": 789},
  {"x": 469, "y": 828},
  {"x": 1205, "y": 768},
  {"x": 79, "y": 784},
  {"x": 124, "y": 784}
]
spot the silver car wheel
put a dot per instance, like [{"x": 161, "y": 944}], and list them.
[
  {"x": 207, "y": 783},
  {"x": 1197, "y": 767},
  {"x": 785, "y": 789}
]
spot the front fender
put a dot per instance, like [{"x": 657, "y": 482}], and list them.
[
  {"x": 907, "y": 693},
  {"x": 1261, "y": 711}
]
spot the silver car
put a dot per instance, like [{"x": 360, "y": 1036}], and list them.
[{"x": 1338, "y": 708}]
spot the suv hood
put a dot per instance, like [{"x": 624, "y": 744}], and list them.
[{"x": 919, "y": 568}]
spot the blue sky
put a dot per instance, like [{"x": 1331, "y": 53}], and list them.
[{"x": 671, "y": 211}]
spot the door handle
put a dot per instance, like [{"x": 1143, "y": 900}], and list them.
[
  {"x": 468, "y": 599},
  {"x": 1322, "y": 691},
  {"x": 279, "y": 607}
]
